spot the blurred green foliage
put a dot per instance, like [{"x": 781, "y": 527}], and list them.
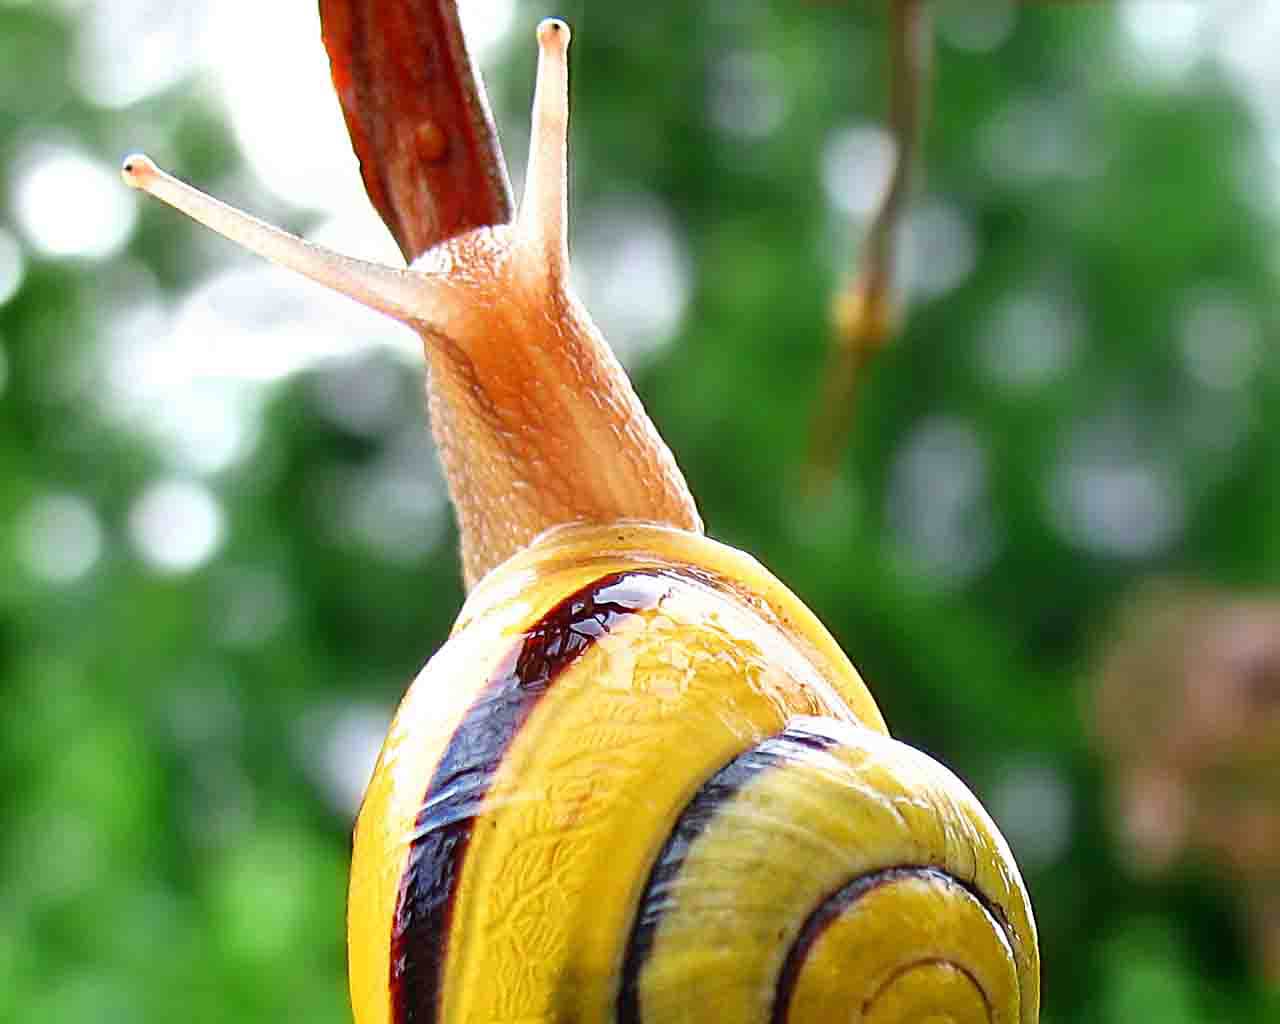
[{"x": 172, "y": 849}]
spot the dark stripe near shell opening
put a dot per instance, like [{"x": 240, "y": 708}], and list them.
[
  {"x": 460, "y": 783},
  {"x": 791, "y": 744}
]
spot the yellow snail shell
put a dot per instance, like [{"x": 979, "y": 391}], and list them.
[{"x": 641, "y": 783}]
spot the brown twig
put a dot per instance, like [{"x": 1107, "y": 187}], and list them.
[{"x": 418, "y": 118}]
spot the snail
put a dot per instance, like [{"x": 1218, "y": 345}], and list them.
[{"x": 640, "y": 782}]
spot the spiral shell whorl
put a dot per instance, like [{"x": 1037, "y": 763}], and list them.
[
  {"x": 960, "y": 973},
  {"x": 640, "y": 784},
  {"x": 829, "y": 869}
]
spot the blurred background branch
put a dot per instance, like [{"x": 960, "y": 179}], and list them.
[{"x": 863, "y": 311}]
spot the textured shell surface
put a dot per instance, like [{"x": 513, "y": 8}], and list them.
[{"x": 640, "y": 775}]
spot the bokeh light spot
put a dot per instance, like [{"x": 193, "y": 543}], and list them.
[
  {"x": 339, "y": 748},
  {"x": 363, "y": 397},
  {"x": 1029, "y": 340},
  {"x": 633, "y": 272},
  {"x": 745, "y": 98},
  {"x": 937, "y": 501},
  {"x": 486, "y": 23},
  {"x": 975, "y": 26},
  {"x": 1033, "y": 804},
  {"x": 176, "y": 525},
  {"x": 127, "y": 50},
  {"x": 59, "y": 538},
  {"x": 69, "y": 204},
  {"x": 1220, "y": 340},
  {"x": 395, "y": 508},
  {"x": 1032, "y": 139},
  {"x": 938, "y": 250},
  {"x": 254, "y": 604},
  {"x": 1167, "y": 36},
  {"x": 278, "y": 89},
  {"x": 1107, "y": 496},
  {"x": 857, "y": 162}
]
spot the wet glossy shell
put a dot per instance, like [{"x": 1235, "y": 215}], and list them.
[{"x": 641, "y": 783}]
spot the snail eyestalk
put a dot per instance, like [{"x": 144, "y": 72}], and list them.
[
  {"x": 544, "y": 212},
  {"x": 385, "y": 289}
]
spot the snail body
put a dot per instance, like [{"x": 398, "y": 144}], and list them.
[{"x": 640, "y": 782}]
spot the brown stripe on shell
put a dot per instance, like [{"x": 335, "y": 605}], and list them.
[
  {"x": 460, "y": 783},
  {"x": 792, "y": 744}
]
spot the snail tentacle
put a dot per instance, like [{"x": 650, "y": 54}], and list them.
[
  {"x": 395, "y": 292},
  {"x": 543, "y": 220}
]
